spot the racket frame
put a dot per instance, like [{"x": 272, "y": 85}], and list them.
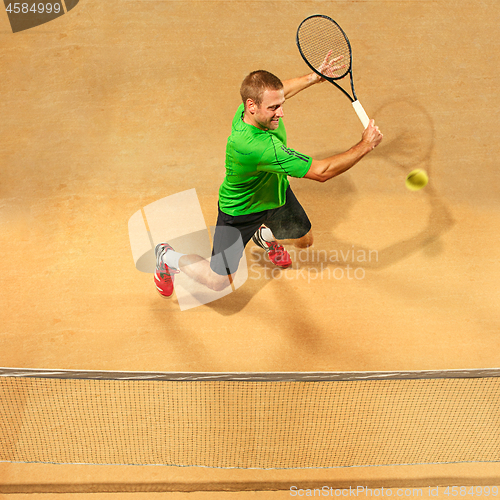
[{"x": 365, "y": 120}]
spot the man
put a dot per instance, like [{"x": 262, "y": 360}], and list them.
[{"x": 255, "y": 199}]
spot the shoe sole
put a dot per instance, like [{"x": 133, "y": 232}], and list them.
[
  {"x": 161, "y": 292},
  {"x": 166, "y": 297},
  {"x": 281, "y": 267}
]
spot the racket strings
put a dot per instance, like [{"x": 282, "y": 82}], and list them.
[{"x": 317, "y": 37}]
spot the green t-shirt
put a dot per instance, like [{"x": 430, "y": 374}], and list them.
[{"x": 257, "y": 165}]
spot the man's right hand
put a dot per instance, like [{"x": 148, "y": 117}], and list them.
[
  {"x": 322, "y": 170},
  {"x": 372, "y": 136}
]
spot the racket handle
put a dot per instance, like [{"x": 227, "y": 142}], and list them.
[{"x": 361, "y": 113}]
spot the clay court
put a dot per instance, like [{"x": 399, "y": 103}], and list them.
[{"x": 116, "y": 105}]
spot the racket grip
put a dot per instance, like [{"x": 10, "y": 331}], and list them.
[{"x": 361, "y": 113}]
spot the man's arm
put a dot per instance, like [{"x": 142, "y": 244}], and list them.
[
  {"x": 322, "y": 170},
  {"x": 295, "y": 85}
]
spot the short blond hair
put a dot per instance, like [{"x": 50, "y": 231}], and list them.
[{"x": 256, "y": 83}]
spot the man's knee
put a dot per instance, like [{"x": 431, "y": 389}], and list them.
[
  {"x": 218, "y": 282},
  {"x": 306, "y": 241}
]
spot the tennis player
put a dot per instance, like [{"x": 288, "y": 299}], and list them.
[{"x": 255, "y": 198}]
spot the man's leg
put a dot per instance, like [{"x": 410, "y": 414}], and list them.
[
  {"x": 198, "y": 269},
  {"x": 169, "y": 263},
  {"x": 290, "y": 225},
  {"x": 306, "y": 241},
  {"x": 231, "y": 236},
  {"x": 275, "y": 248}
]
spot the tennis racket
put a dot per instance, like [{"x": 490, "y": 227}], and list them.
[{"x": 326, "y": 50}]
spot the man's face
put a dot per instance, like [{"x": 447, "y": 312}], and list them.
[{"x": 269, "y": 112}]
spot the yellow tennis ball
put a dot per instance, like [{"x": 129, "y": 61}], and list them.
[{"x": 417, "y": 179}]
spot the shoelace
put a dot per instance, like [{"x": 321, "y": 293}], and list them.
[
  {"x": 170, "y": 273},
  {"x": 275, "y": 247}
]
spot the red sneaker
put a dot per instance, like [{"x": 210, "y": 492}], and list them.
[
  {"x": 276, "y": 252},
  {"x": 164, "y": 275}
]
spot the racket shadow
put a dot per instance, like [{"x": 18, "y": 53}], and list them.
[
  {"x": 409, "y": 133},
  {"x": 408, "y": 142},
  {"x": 440, "y": 220}
]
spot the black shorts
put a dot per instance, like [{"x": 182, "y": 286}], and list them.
[{"x": 232, "y": 233}]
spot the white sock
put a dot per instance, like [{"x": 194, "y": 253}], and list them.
[
  {"x": 267, "y": 235},
  {"x": 171, "y": 258}
]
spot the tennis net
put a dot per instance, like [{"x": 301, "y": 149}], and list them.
[{"x": 249, "y": 420}]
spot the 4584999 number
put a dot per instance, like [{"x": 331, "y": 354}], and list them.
[
  {"x": 36, "y": 8},
  {"x": 479, "y": 491}
]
